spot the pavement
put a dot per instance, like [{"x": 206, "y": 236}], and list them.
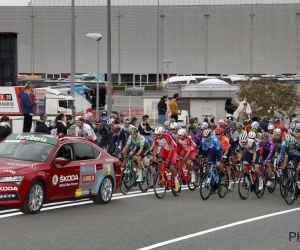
[{"x": 140, "y": 221}]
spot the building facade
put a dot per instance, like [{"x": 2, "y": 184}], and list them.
[{"x": 200, "y": 37}]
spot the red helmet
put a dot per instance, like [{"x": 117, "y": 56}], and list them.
[
  {"x": 282, "y": 127},
  {"x": 223, "y": 124},
  {"x": 117, "y": 128},
  {"x": 219, "y": 130},
  {"x": 98, "y": 120},
  {"x": 60, "y": 135}
]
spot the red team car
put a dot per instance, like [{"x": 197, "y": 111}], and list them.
[{"x": 37, "y": 169}]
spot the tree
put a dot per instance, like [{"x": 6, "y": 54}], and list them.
[{"x": 275, "y": 98}]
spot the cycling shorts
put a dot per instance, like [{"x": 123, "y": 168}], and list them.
[
  {"x": 215, "y": 156},
  {"x": 265, "y": 154},
  {"x": 247, "y": 156},
  {"x": 164, "y": 153},
  {"x": 191, "y": 155},
  {"x": 144, "y": 153}
]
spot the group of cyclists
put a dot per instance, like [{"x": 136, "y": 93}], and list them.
[{"x": 222, "y": 144}]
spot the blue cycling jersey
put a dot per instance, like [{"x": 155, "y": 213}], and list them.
[
  {"x": 214, "y": 144},
  {"x": 282, "y": 147}
]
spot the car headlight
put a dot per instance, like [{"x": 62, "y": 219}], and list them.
[{"x": 13, "y": 179}]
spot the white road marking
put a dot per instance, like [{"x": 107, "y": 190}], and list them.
[
  {"x": 63, "y": 204},
  {"x": 164, "y": 243}
]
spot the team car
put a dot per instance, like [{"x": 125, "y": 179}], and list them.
[{"x": 36, "y": 169}]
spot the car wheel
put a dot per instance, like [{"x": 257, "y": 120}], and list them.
[
  {"x": 34, "y": 199},
  {"x": 105, "y": 192}
]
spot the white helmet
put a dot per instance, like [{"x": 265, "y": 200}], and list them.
[
  {"x": 159, "y": 130},
  {"x": 252, "y": 135},
  {"x": 270, "y": 127},
  {"x": 127, "y": 119},
  {"x": 221, "y": 120},
  {"x": 292, "y": 125},
  {"x": 79, "y": 118},
  {"x": 243, "y": 137},
  {"x": 207, "y": 133},
  {"x": 111, "y": 121},
  {"x": 254, "y": 124},
  {"x": 204, "y": 125},
  {"x": 181, "y": 132},
  {"x": 173, "y": 125},
  {"x": 277, "y": 131},
  {"x": 294, "y": 119},
  {"x": 167, "y": 123}
]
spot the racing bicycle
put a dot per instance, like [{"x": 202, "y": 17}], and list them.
[
  {"x": 291, "y": 190},
  {"x": 185, "y": 175},
  {"x": 214, "y": 180}
]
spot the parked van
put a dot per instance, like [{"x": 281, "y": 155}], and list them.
[{"x": 185, "y": 80}]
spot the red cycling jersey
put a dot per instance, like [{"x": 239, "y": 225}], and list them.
[
  {"x": 165, "y": 142},
  {"x": 184, "y": 144}
]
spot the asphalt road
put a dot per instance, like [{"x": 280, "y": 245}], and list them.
[{"x": 137, "y": 221}]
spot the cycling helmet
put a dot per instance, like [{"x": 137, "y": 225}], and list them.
[
  {"x": 199, "y": 128},
  {"x": 207, "y": 133},
  {"x": 252, "y": 135},
  {"x": 290, "y": 140},
  {"x": 298, "y": 135},
  {"x": 98, "y": 120},
  {"x": 270, "y": 127},
  {"x": 277, "y": 131},
  {"x": 117, "y": 128},
  {"x": 292, "y": 125},
  {"x": 167, "y": 123},
  {"x": 254, "y": 129},
  {"x": 111, "y": 121},
  {"x": 243, "y": 137},
  {"x": 294, "y": 119},
  {"x": 204, "y": 125},
  {"x": 219, "y": 131},
  {"x": 159, "y": 130},
  {"x": 79, "y": 118},
  {"x": 181, "y": 132},
  {"x": 239, "y": 125},
  {"x": 254, "y": 124},
  {"x": 104, "y": 119},
  {"x": 223, "y": 124},
  {"x": 174, "y": 125},
  {"x": 172, "y": 120},
  {"x": 264, "y": 136},
  {"x": 133, "y": 130},
  {"x": 220, "y": 121},
  {"x": 297, "y": 126},
  {"x": 281, "y": 127},
  {"x": 191, "y": 120},
  {"x": 127, "y": 119}
]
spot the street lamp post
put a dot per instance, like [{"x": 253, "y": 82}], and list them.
[
  {"x": 96, "y": 37},
  {"x": 167, "y": 62}
]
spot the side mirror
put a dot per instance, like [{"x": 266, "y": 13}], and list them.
[{"x": 61, "y": 160}]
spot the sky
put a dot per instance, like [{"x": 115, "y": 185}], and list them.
[{"x": 14, "y": 2}]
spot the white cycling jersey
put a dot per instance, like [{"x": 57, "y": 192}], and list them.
[
  {"x": 130, "y": 126},
  {"x": 250, "y": 146},
  {"x": 85, "y": 132}
]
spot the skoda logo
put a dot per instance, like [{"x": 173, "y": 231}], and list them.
[{"x": 54, "y": 180}]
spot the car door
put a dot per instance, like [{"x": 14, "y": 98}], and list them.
[
  {"x": 87, "y": 157},
  {"x": 65, "y": 178}
]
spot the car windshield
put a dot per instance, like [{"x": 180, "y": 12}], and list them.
[{"x": 26, "y": 151}]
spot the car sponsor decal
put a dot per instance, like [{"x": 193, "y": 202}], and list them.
[
  {"x": 108, "y": 169},
  {"x": 33, "y": 137},
  {"x": 88, "y": 178},
  {"x": 65, "y": 180},
  {"x": 9, "y": 171},
  {"x": 54, "y": 180},
  {"x": 21, "y": 165},
  {"x": 78, "y": 192},
  {"x": 5, "y": 189}
]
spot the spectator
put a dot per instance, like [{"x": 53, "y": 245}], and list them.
[
  {"x": 89, "y": 119},
  {"x": 133, "y": 121},
  {"x": 27, "y": 107},
  {"x": 162, "y": 109},
  {"x": 294, "y": 118},
  {"x": 174, "y": 107},
  {"x": 61, "y": 126},
  {"x": 41, "y": 126},
  {"x": 5, "y": 129},
  {"x": 243, "y": 112},
  {"x": 229, "y": 108},
  {"x": 264, "y": 123},
  {"x": 206, "y": 119},
  {"x": 255, "y": 109},
  {"x": 145, "y": 129},
  {"x": 212, "y": 120}
]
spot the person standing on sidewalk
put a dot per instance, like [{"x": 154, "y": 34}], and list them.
[
  {"x": 27, "y": 107},
  {"x": 162, "y": 109},
  {"x": 174, "y": 107}
]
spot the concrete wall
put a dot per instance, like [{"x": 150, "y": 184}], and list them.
[{"x": 183, "y": 38}]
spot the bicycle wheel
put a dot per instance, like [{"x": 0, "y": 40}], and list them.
[
  {"x": 223, "y": 184},
  {"x": 160, "y": 185},
  {"x": 290, "y": 191},
  {"x": 198, "y": 176},
  {"x": 259, "y": 193},
  {"x": 244, "y": 186},
  {"x": 274, "y": 179},
  {"x": 206, "y": 185},
  {"x": 145, "y": 183},
  {"x": 176, "y": 193},
  {"x": 282, "y": 182},
  {"x": 192, "y": 185},
  {"x": 233, "y": 178},
  {"x": 126, "y": 181}
]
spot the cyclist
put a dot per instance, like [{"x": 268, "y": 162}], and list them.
[
  {"x": 142, "y": 148},
  {"x": 224, "y": 140},
  {"x": 198, "y": 137},
  {"x": 187, "y": 149},
  {"x": 84, "y": 130},
  {"x": 279, "y": 144},
  {"x": 173, "y": 131},
  {"x": 167, "y": 126},
  {"x": 292, "y": 127},
  {"x": 127, "y": 126},
  {"x": 252, "y": 135},
  {"x": 239, "y": 130},
  {"x": 290, "y": 144},
  {"x": 270, "y": 131},
  {"x": 192, "y": 126},
  {"x": 266, "y": 150},
  {"x": 210, "y": 142},
  {"x": 102, "y": 132},
  {"x": 204, "y": 125},
  {"x": 250, "y": 156},
  {"x": 119, "y": 139},
  {"x": 168, "y": 151}
]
